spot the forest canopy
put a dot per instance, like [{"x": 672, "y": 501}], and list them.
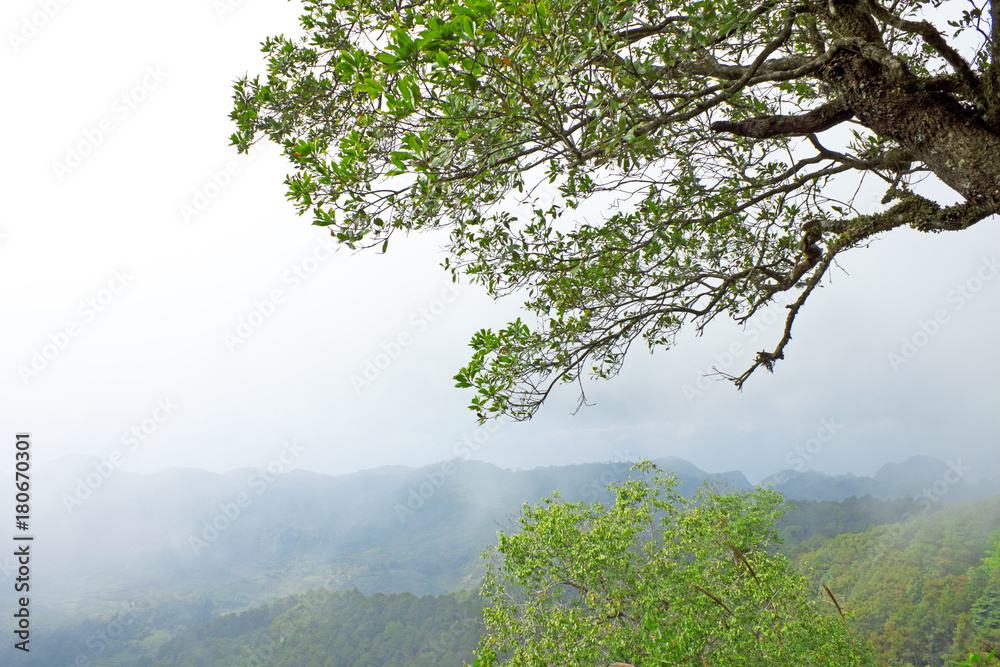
[{"x": 652, "y": 579}]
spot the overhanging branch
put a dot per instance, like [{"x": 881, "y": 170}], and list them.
[
  {"x": 767, "y": 127},
  {"x": 767, "y": 359},
  {"x": 918, "y": 212}
]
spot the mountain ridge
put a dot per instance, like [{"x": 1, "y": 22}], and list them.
[{"x": 249, "y": 535}]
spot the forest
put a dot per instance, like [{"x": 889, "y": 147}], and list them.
[{"x": 920, "y": 588}]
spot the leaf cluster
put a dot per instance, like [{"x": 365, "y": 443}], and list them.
[{"x": 651, "y": 579}]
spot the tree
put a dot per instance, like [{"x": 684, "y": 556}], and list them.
[
  {"x": 651, "y": 579},
  {"x": 628, "y": 166}
]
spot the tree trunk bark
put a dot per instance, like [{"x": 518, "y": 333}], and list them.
[
  {"x": 961, "y": 150},
  {"x": 949, "y": 139}
]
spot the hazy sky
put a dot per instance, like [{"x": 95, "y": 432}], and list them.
[{"x": 133, "y": 242}]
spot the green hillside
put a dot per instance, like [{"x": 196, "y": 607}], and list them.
[
  {"x": 925, "y": 590},
  {"x": 335, "y": 629},
  {"x": 921, "y": 581}
]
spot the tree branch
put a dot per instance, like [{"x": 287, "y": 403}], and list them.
[
  {"x": 913, "y": 210},
  {"x": 722, "y": 72},
  {"x": 767, "y": 359},
  {"x": 632, "y": 35},
  {"x": 991, "y": 83},
  {"x": 767, "y": 127},
  {"x": 918, "y": 212},
  {"x": 934, "y": 39}
]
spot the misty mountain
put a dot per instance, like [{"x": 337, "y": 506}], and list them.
[
  {"x": 108, "y": 537},
  {"x": 924, "y": 478}
]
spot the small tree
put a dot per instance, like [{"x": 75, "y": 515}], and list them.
[{"x": 651, "y": 579}]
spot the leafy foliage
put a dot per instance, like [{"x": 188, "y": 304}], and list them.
[
  {"x": 975, "y": 659},
  {"x": 651, "y": 579},
  {"x": 925, "y": 589},
  {"x": 628, "y": 166}
]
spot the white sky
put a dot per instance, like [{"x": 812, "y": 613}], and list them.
[{"x": 184, "y": 285}]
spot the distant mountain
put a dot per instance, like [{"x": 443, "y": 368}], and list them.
[
  {"x": 347, "y": 628},
  {"x": 108, "y": 537},
  {"x": 249, "y": 536},
  {"x": 924, "y": 478}
]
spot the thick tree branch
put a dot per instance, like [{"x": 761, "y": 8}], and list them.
[
  {"x": 918, "y": 212},
  {"x": 634, "y": 34},
  {"x": 991, "y": 80},
  {"x": 933, "y": 39},
  {"x": 767, "y": 127}
]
